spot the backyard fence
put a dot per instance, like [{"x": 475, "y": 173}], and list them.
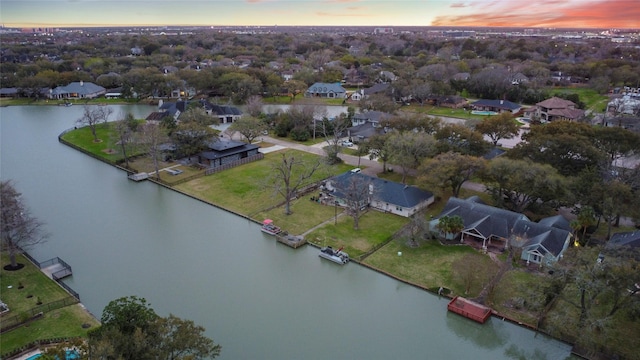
[
  {"x": 11, "y": 322},
  {"x": 248, "y": 159}
]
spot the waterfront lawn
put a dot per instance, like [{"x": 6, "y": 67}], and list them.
[
  {"x": 430, "y": 265},
  {"x": 510, "y": 295},
  {"x": 34, "y": 282},
  {"x": 66, "y": 322},
  {"x": 60, "y": 323},
  {"x": 145, "y": 164},
  {"x": 105, "y": 148},
  {"x": 305, "y": 214},
  {"x": 375, "y": 228},
  {"x": 247, "y": 189}
]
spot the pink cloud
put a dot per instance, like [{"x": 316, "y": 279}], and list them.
[
  {"x": 458, "y": 5},
  {"x": 550, "y": 13}
]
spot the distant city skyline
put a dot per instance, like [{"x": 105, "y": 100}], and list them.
[{"x": 606, "y": 14}]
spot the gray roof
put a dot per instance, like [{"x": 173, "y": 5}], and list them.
[
  {"x": 377, "y": 88},
  {"x": 631, "y": 238},
  {"x": 498, "y": 104},
  {"x": 550, "y": 237},
  {"x": 372, "y": 116},
  {"x": 365, "y": 130},
  {"x": 8, "y": 91},
  {"x": 385, "y": 190},
  {"x": 551, "y": 233},
  {"x": 223, "y": 148},
  {"x": 487, "y": 220},
  {"x": 221, "y": 110},
  {"x": 79, "y": 87},
  {"x": 325, "y": 88},
  {"x": 557, "y": 221}
]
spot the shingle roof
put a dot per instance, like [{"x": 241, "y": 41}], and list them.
[
  {"x": 567, "y": 113},
  {"x": 550, "y": 237},
  {"x": 557, "y": 221},
  {"x": 376, "y": 89},
  {"x": 221, "y": 110},
  {"x": 80, "y": 88},
  {"x": 556, "y": 103},
  {"x": 550, "y": 233},
  {"x": 631, "y": 238},
  {"x": 371, "y": 116},
  {"x": 498, "y": 104},
  {"x": 487, "y": 220},
  {"x": 385, "y": 190},
  {"x": 325, "y": 88},
  {"x": 222, "y": 148}
]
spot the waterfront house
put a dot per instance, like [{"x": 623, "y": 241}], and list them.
[
  {"x": 226, "y": 152},
  {"x": 77, "y": 90},
  {"x": 384, "y": 195},
  {"x": 326, "y": 90},
  {"x": 497, "y": 106},
  {"x": 493, "y": 229}
]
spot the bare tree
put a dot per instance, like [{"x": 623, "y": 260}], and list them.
[
  {"x": 93, "y": 116},
  {"x": 19, "y": 229},
  {"x": 124, "y": 132},
  {"x": 356, "y": 191},
  {"x": 289, "y": 175},
  {"x": 332, "y": 131},
  {"x": 152, "y": 137},
  {"x": 254, "y": 105}
]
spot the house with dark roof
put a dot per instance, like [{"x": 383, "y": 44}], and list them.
[
  {"x": 227, "y": 152},
  {"x": 384, "y": 195},
  {"x": 9, "y": 92},
  {"x": 77, "y": 90},
  {"x": 543, "y": 242},
  {"x": 631, "y": 239},
  {"x": 553, "y": 109},
  {"x": 225, "y": 113},
  {"x": 326, "y": 90},
  {"x": 498, "y": 106},
  {"x": 450, "y": 101},
  {"x": 365, "y": 93},
  {"x": 366, "y": 124}
]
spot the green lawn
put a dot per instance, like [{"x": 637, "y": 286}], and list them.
[
  {"x": 590, "y": 97},
  {"x": 64, "y": 322},
  {"x": 34, "y": 282},
  {"x": 247, "y": 189},
  {"x": 510, "y": 291},
  {"x": 375, "y": 228},
  {"x": 106, "y": 147},
  {"x": 305, "y": 214},
  {"x": 429, "y": 265}
]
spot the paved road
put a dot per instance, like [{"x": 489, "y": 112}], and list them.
[{"x": 371, "y": 167}]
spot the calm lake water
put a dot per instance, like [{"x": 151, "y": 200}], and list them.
[{"x": 257, "y": 298}]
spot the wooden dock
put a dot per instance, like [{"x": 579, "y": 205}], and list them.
[
  {"x": 139, "y": 176},
  {"x": 294, "y": 241},
  {"x": 469, "y": 309}
]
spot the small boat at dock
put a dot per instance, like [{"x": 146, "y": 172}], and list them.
[
  {"x": 270, "y": 228},
  {"x": 337, "y": 256}
]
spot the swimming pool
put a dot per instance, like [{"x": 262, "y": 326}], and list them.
[
  {"x": 478, "y": 112},
  {"x": 71, "y": 355}
]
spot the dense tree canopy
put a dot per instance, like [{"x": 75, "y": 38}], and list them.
[{"x": 131, "y": 329}]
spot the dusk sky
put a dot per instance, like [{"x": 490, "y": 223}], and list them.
[{"x": 517, "y": 13}]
